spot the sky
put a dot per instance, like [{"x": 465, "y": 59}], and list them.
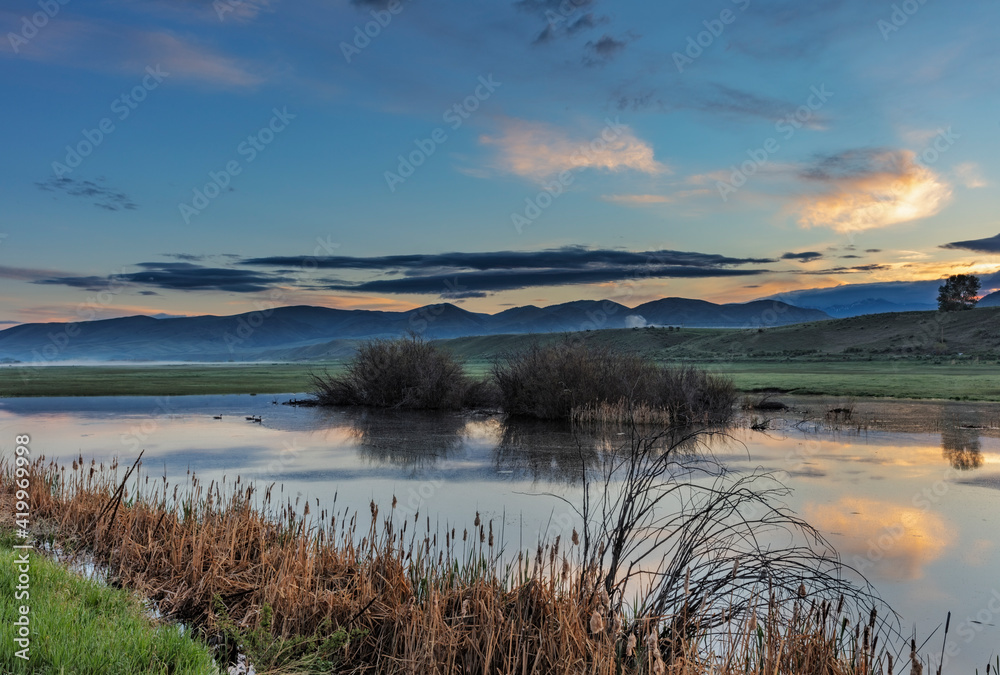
[{"x": 190, "y": 157}]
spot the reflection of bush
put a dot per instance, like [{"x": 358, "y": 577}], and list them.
[
  {"x": 961, "y": 447},
  {"x": 408, "y": 439},
  {"x": 559, "y": 451}
]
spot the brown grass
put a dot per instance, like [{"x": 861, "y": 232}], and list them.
[{"x": 310, "y": 591}]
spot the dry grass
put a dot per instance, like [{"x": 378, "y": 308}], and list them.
[{"x": 308, "y": 591}]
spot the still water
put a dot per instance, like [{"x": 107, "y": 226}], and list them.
[{"x": 908, "y": 492}]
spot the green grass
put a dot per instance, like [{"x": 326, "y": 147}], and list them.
[
  {"x": 157, "y": 380},
  {"x": 81, "y": 627}
]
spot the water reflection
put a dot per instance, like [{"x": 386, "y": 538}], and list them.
[
  {"x": 883, "y": 539},
  {"x": 960, "y": 442},
  {"x": 888, "y": 496},
  {"x": 405, "y": 439}
]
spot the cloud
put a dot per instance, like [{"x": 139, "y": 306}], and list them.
[
  {"x": 112, "y": 47},
  {"x": 505, "y": 280},
  {"x": 805, "y": 256},
  {"x": 716, "y": 99},
  {"x": 104, "y": 197},
  {"x": 569, "y": 257},
  {"x": 870, "y": 188},
  {"x": 242, "y": 11},
  {"x": 970, "y": 175},
  {"x": 986, "y": 245},
  {"x": 537, "y": 150},
  {"x": 460, "y": 275},
  {"x": 175, "y": 276},
  {"x": 604, "y": 49},
  {"x": 569, "y": 27},
  {"x": 637, "y": 200}
]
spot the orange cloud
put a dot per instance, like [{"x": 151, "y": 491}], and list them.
[
  {"x": 636, "y": 200},
  {"x": 538, "y": 151},
  {"x": 873, "y": 189}
]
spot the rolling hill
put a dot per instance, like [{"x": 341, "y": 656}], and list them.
[{"x": 308, "y": 333}]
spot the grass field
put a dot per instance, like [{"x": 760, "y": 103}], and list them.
[
  {"x": 80, "y": 626},
  {"x": 962, "y": 380}
]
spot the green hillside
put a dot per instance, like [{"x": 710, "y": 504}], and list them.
[{"x": 932, "y": 336}]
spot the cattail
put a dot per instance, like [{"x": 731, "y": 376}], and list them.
[
  {"x": 596, "y": 623},
  {"x": 394, "y": 502},
  {"x": 466, "y": 607},
  {"x": 802, "y": 590},
  {"x": 630, "y": 646},
  {"x": 576, "y": 538},
  {"x": 477, "y": 521},
  {"x": 305, "y": 512}
]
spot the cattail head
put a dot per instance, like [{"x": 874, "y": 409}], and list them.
[
  {"x": 596, "y": 623},
  {"x": 576, "y": 537},
  {"x": 630, "y": 646}
]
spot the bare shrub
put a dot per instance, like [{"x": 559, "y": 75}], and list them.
[
  {"x": 400, "y": 373},
  {"x": 585, "y": 383}
]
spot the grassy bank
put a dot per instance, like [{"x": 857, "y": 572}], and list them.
[{"x": 80, "y": 626}]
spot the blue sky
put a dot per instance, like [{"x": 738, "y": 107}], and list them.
[{"x": 561, "y": 150}]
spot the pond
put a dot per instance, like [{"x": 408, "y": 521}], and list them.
[{"x": 907, "y": 491}]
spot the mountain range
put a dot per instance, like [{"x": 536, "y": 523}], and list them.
[{"x": 304, "y": 332}]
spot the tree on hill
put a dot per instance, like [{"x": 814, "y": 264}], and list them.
[{"x": 960, "y": 291}]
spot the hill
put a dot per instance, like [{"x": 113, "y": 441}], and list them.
[
  {"x": 875, "y": 336},
  {"x": 310, "y": 333}
]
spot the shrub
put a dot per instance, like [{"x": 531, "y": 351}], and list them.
[
  {"x": 548, "y": 381},
  {"x": 572, "y": 380},
  {"x": 400, "y": 373}
]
